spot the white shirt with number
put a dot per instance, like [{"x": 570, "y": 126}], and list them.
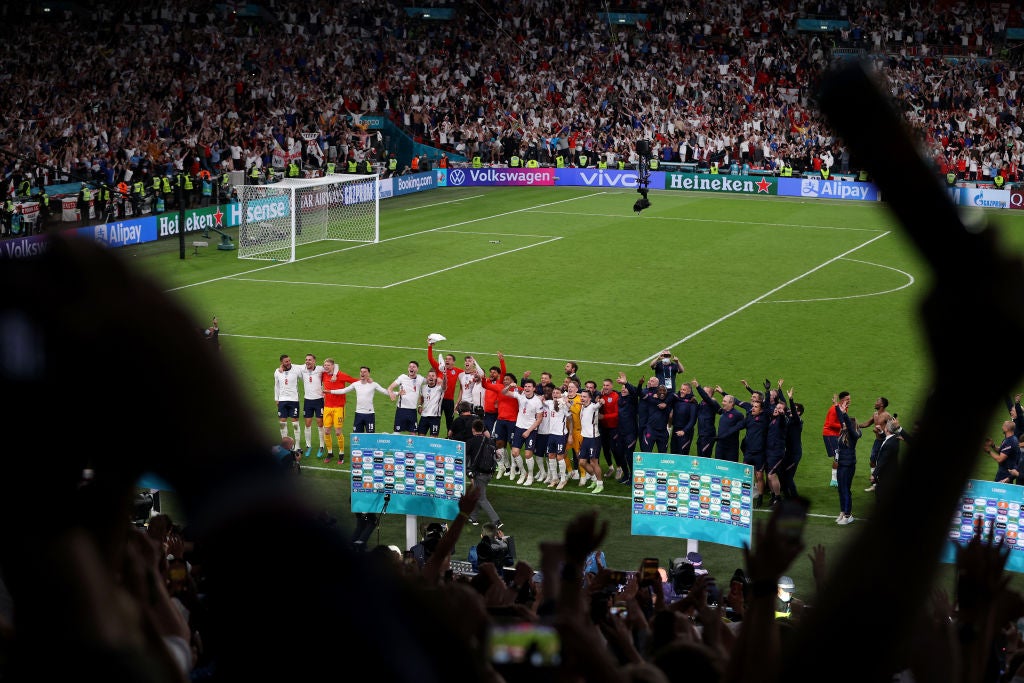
[
  {"x": 411, "y": 386},
  {"x": 432, "y": 396},
  {"x": 286, "y": 384},
  {"x": 588, "y": 420},
  {"x": 529, "y": 408},
  {"x": 554, "y": 421},
  {"x": 364, "y": 395},
  {"x": 312, "y": 381},
  {"x": 472, "y": 388}
]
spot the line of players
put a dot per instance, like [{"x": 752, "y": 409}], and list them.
[{"x": 548, "y": 433}]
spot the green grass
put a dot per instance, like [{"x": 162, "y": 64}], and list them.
[{"x": 821, "y": 293}]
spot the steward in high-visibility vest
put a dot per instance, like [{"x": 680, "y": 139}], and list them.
[
  {"x": 532, "y": 163},
  {"x": 654, "y": 163},
  {"x": 787, "y": 171},
  {"x": 393, "y": 163},
  {"x": 441, "y": 163},
  {"x": 330, "y": 167},
  {"x": 414, "y": 165},
  {"x": 293, "y": 169},
  {"x": 352, "y": 167},
  {"x": 477, "y": 162},
  {"x": 166, "y": 185},
  {"x": 620, "y": 164},
  {"x": 254, "y": 175},
  {"x": 25, "y": 188},
  {"x": 367, "y": 167},
  {"x": 603, "y": 165},
  {"x": 559, "y": 161},
  {"x": 515, "y": 161},
  {"x": 714, "y": 168},
  {"x": 999, "y": 180},
  {"x": 583, "y": 160},
  {"x": 155, "y": 187},
  {"x": 951, "y": 179},
  {"x": 824, "y": 172},
  {"x": 862, "y": 176}
]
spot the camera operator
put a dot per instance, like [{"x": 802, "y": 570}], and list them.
[
  {"x": 462, "y": 425},
  {"x": 288, "y": 456}
]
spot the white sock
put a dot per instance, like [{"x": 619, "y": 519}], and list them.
[
  {"x": 320, "y": 431},
  {"x": 541, "y": 469},
  {"x": 308, "y": 432},
  {"x": 834, "y": 475},
  {"x": 284, "y": 431},
  {"x": 561, "y": 469},
  {"x": 518, "y": 461}
]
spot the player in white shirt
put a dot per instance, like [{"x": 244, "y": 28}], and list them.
[
  {"x": 527, "y": 420},
  {"x": 470, "y": 387},
  {"x": 590, "y": 449},
  {"x": 313, "y": 403},
  {"x": 431, "y": 395},
  {"x": 408, "y": 398},
  {"x": 556, "y": 415},
  {"x": 286, "y": 396},
  {"x": 365, "y": 390}
]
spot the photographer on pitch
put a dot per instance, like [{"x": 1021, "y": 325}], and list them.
[
  {"x": 288, "y": 456},
  {"x": 481, "y": 463},
  {"x": 462, "y": 426}
]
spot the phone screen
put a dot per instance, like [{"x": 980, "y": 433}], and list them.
[
  {"x": 526, "y": 643},
  {"x": 648, "y": 570}
]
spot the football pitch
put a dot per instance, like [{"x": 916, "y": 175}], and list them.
[{"x": 823, "y": 294}]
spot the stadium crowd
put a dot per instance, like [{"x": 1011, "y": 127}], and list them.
[{"x": 139, "y": 91}]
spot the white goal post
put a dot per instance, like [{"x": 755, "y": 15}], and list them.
[{"x": 280, "y": 216}]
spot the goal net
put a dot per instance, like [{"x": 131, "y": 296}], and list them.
[{"x": 278, "y": 217}]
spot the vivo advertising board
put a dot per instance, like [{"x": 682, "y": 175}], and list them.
[
  {"x": 827, "y": 189},
  {"x": 464, "y": 177},
  {"x": 592, "y": 177}
]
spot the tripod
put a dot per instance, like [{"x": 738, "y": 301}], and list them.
[{"x": 366, "y": 522}]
